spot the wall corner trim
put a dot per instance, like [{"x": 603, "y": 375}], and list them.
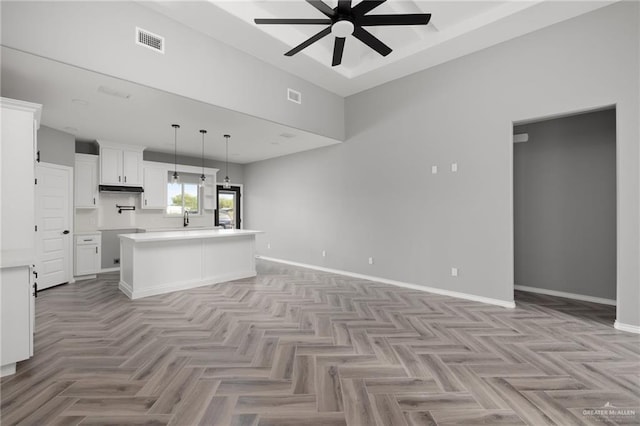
[
  {"x": 626, "y": 327},
  {"x": 426, "y": 289},
  {"x": 573, "y": 296}
]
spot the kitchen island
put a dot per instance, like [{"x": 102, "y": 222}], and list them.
[{"x": 162, "y": 262}]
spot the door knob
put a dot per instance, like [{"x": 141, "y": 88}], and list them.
[{"x": 65, "y": 232}]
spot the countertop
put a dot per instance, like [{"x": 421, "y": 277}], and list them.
[
  {"x": 87, "y": 233},
  {"x": 187, "y": 235},
  {"x": 188, "y": 228}
]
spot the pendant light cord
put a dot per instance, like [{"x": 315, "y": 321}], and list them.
[{"x": 227, "y": 156}]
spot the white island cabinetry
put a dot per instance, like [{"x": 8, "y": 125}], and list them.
[{"x": 162, "y": 262}]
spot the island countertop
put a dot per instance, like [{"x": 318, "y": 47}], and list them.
[{"x": 187, "y": 235}]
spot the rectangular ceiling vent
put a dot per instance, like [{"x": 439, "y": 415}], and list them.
[
  {"x": 521, "y": 137},
  {"x": 294, "y": 96},
  {"x": 149, "y": 40}
]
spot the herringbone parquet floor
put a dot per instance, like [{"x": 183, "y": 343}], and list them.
[{"x": 300, "y": 347}]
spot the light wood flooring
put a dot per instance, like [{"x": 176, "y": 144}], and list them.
[{"x": 300, "y": 347}]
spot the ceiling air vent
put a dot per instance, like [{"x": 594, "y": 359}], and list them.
[
  {"x": 294, "y": 96},
  {"x": 520, "y": 137},
  {"x": 149, "y": 40}
]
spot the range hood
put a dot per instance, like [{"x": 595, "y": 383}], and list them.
[{"x": 119, "y": 188}]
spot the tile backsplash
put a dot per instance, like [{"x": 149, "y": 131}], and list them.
[{"x": 106, "y": 216}]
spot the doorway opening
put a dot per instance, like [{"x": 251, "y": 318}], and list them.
[
  {"x": 229, "y": 212},
  {"x": 564, "y": 213}
]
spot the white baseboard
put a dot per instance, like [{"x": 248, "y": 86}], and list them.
[
  {"x": 85, "y": 277},
  {"x": 466, "y": 296},
  {"x": 581, "y": 297},
  {"x": 626, "y": 327},
  {"x": 105, "y": 270},
  {"x": 127, "y": 289},
  {"x": 8, "y": 370}
]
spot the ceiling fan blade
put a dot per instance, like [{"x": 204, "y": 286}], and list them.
[
  {"x": 372, "y": 41},
  {"x": 309, "y": 41},
  {"x": 366, "y": 6},
  {"x": 409, "y": 19},
  {"x": 262, "y": 21},
  {"x": 322, "y": 7},
  {"x": 338, "y": 49},
  {"x": 344, "y": 6}
]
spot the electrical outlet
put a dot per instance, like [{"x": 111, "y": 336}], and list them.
[
  {"x": 454, "y": 272},
  {"x": 268, "y": 245},
  {"x": 371, "y": 261},
  {"x": 324, "y": 253},
  {"x": 454, "y": 167},
  {"x": 434, "y": 170}
]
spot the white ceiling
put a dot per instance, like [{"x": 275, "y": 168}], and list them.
[
  {"x": 456, "y": 28},
  {"x": 144, "y": 118}
]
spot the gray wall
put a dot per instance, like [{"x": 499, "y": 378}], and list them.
[
  {"x": 56, "y": 147},
  {"x": 236, "y": 171},
  {"x": 85, "y": 147},
  {"x": 565, "y": 205},
  {"x": 374, "y": 194},
  {"x": 110, "y": 248},
  {"x": 99, "y": 36}
]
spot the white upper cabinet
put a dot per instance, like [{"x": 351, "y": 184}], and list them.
[
  {"x": 155, "y": 187},
  {"x": 17, "y": 179},
  {"x": 132, "y": 167},
  {"x": 120, "y": 164},
  {"x": 210, "y": 200},
  {"x": 86, "y": 181},
  {"x": 110, "y": 166}
]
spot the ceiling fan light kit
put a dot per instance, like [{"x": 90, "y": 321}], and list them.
[{"x": 345, "y": 20}]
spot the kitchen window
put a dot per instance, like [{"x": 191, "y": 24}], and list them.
[{"x": 184, "y": 195}]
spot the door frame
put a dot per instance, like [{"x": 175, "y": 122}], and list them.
[
  {"x": 516, "y": 122},
  {"x": 241, "y": 189},
  {"x": 69, "y": 242}
]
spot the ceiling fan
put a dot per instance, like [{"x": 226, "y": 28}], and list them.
[{"x": 345, "y": 20}]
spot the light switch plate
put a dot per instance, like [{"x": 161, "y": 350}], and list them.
[
  {"x": 454, "y": 272},
  {"x": 454, "y": 167},
  {"x": 434, "y": 170}
]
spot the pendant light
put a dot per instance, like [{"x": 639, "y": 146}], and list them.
[
  {"x": 174, "y": 178},
  {"x": 227, "y": 181},
  {"x": 203, "y": 178}
]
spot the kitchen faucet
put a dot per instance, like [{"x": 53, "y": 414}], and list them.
[{"x": 185, "y": 218}]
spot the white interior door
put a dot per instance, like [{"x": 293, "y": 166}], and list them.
[{"x": 53, "y": 219}]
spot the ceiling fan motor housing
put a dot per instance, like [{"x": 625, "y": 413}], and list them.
[{"x": 342, "y": 28}]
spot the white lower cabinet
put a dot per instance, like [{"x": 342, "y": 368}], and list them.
[
  {"x": 87, "y": 259},
  {"x": 17, "y": 313}
]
